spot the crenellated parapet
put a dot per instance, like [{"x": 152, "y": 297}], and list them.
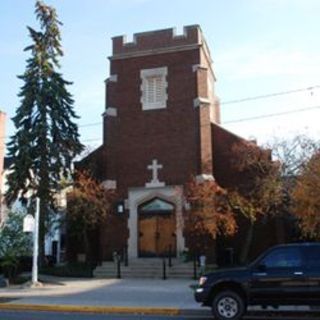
[{"x": 159, "y": 40}]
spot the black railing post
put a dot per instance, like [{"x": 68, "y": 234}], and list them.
[
  {"x": 118, "y": 268},
  {"x": 126, "y": 262},
  {"x": 170, "y": 256},
  {"x": 195, "y": 267},
  {"x": 164, "y": 271}
]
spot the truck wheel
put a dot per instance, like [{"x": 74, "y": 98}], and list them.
[{"x": 228, "y": 305}]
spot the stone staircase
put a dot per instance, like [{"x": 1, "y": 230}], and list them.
[{"x": 151, "y": 268}]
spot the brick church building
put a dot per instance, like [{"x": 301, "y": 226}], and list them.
[{"x": 161, "y": 126}]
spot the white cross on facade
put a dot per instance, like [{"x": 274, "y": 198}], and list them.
[
  {"x": 154, "y": 167},
  {"x": 155, "y": 180}
]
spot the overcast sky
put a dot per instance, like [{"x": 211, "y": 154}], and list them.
[{"x": 259, "y": 47}]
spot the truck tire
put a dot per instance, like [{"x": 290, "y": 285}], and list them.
[{"x": 228, "y": 305}]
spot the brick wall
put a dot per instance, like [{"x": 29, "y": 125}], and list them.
[{"x": 170, "y": 135}]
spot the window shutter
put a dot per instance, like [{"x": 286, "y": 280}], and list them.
[
  {"x": 154, "y": 88},
  {"x": 159, "y": 89},
  {"x": 149, "y": 90}
]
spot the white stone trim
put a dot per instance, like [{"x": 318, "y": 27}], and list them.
[
  {"x": 154, "y": 72},
  {"x": 110, "y": 112},
  {"x": 184, "y": 33},
  {"x": 200, "y": 101},
  {"x": 109, "y": 184},
  {"x": 113, "y": 78},
  {"x": 126, "y": 39},
  {"x": 204, "y": 177},
  {"x": 151, "y": 52},
  {"x": 155, "y": 184},
  {"x": 127, "y": 42},
  {"x": 161, "y": 72},
  {"x": 196, "y": 67}
]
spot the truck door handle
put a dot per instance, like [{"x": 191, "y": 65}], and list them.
[{"x": 298, "y": 273}]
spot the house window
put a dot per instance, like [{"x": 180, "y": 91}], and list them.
[{"x": 154, "y": 88}]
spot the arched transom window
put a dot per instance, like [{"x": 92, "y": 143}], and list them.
[{"x": 156, "y": 205}]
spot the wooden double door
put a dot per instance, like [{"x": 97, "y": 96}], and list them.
[{"x": 157, "y": 235}]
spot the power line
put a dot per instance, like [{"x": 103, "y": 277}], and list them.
[
  {"x": 89, "y": 124},
  {"x": 263, "y": 116},
  {"x": 93, "y": 139},
  {"x": 270, "y": 115},
  {"x": 265, "y": 96},
  {"x": 270, "y": 95}
]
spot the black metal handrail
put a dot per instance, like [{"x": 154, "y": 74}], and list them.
[
  {"x": 195, "y": 265},
  {"x": 164, "y": 271},
  {"x": 118, "y": 267}
]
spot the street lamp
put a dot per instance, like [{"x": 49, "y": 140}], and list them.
[
  {"x": 35, "y": 281},
  {"x": 31, "y": 224}
]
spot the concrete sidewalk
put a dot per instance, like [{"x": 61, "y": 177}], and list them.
[{"x": 105, "y": 295}]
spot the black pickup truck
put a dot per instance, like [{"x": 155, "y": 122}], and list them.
[{"x": 283, "y": 275}]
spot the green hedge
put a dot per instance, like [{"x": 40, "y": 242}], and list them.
[{"x": 78, "y": 270}]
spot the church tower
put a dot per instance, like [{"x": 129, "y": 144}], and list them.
[{"x": 160, "y": 107}]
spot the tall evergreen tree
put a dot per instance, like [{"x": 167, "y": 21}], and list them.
[{"x": 46, "y": 138}]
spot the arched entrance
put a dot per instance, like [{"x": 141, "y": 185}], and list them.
[{"x": 156, "y": 228}]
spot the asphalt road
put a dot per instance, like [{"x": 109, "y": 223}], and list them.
[{"x": 41, "y": 315}]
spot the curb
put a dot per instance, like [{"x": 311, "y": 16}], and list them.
[{"x": 92, "y": 309}]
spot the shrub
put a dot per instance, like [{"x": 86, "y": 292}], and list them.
[
  {"x": 79, "y": 270},
  {"x": 14, "y": 243}
]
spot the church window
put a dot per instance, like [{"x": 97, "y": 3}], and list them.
[
  {"x": 154, "y": 88},
  {"x": 156, "y": 205}
]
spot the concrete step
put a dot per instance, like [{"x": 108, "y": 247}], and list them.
[{"x": 145, "y": 268}]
